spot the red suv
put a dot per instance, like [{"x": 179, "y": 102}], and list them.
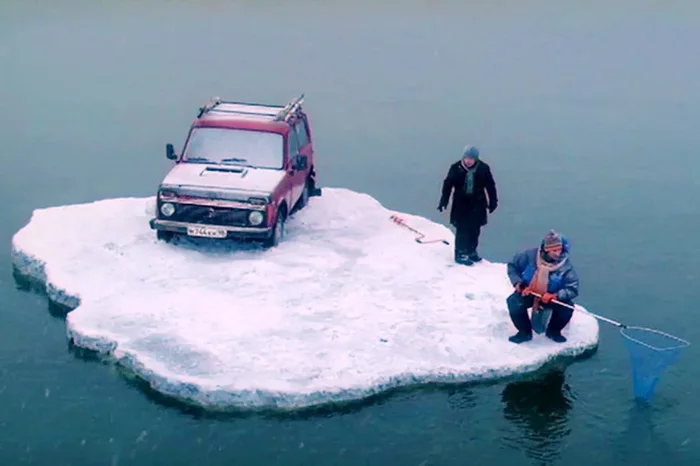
[{"x": 244, "y": 168}]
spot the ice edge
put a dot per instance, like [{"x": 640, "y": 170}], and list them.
[{"x": 221, "y": 400}]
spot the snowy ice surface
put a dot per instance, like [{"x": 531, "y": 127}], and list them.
[{"x": 347, "y": 306}]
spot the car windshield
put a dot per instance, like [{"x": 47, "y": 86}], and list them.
[{"x": 258, "y": 149}]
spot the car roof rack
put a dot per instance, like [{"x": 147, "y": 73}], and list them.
[
  {"x": 209, "y": 106},
  {"x": 290, "y": 108},
  {"x": 273, "y": 112}
]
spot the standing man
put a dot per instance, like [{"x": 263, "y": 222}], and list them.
[{"x": 472, "y": 181}]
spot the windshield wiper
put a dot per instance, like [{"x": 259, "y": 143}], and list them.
[
  {"x": 197, "y": 159},
  {"x": 233, "y": 159}
]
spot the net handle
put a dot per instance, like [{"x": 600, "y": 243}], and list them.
[{"x": 573, "y": 308}]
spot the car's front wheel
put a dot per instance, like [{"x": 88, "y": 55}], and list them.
[{"x": 278, "y": 231}]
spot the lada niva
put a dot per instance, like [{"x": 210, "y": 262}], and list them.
[{"x": 243, "y": 169}]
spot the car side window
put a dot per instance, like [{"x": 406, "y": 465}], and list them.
[
  {"x": 293, "y": 145},
  {"x": 302, "y": 133}
]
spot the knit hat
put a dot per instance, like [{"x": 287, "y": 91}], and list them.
[
  {"x": 552, "y": 239},
  {"x": 470, "y": 151}
]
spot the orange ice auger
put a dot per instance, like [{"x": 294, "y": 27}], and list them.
[{"x": 401, "y": 222}]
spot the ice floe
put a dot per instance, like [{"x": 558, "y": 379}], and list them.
[{"x": 347, "y": 306}]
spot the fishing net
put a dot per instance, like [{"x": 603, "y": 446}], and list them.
[{"x": 650, "y": 352}]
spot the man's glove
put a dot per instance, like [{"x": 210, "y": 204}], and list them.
[
  {"x": 492, "y": 208},
  {"x": 441, "y": 207},
  {"x": 547, "y": 297}
]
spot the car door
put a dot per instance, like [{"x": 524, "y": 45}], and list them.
[
  {"x": 305, "y": 149},
  {"x": 294, "y": 175}
]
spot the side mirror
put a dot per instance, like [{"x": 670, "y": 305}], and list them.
[
  {"x": 170, "y": 152},
  {"x": 302, "y": 162}
]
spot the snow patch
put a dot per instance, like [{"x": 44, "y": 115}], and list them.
[
  {"x": 347, "y": 306},
  {"x": 261, "y": 180}
]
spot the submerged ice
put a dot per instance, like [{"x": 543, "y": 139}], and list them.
[{"x": 347, "y": 306}]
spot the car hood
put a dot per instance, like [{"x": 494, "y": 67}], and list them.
[{"x": 210, "y": 176}]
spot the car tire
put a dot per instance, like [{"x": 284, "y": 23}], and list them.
[{"x": 278, "y": 232}]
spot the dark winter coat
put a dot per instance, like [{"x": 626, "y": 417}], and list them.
[
  {"x": 469, "y": 208},
  {"x": 563, "y": 282}
]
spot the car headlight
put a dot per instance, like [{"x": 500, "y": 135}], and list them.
[
  {"x": 167, "y": 209},
  {"x": 255, "y": 217}
]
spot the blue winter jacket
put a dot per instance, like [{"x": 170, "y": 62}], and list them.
[{"x": 562, "y": 282}]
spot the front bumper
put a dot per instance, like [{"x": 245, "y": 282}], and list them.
[{"x": 231, "y": 232}]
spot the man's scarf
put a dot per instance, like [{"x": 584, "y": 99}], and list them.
[
  {"x": 469, "y": 181},
  {"x": 540, "y": 281}
]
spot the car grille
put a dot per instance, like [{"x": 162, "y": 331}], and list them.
[{"x": 210, "y": 215}]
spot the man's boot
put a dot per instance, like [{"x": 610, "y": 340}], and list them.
[
  {"x": 464, "y": 260},
  {"x": 555, "y": 336},
  {"x": 520, "y": 337},
  {"x": 474, "y": 257}
]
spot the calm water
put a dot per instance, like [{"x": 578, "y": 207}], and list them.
[{"x": 588, "y": 116}]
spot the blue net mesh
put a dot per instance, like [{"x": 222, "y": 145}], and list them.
[{"x": 651, "y": 352}]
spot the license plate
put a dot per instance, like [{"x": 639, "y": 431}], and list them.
[{"x": 206, "y": 232}]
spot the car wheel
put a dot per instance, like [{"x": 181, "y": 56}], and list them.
[{"x": 278, "y": 232}]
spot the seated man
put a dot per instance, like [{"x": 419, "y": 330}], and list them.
[{"x": 548, "y": 272}]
